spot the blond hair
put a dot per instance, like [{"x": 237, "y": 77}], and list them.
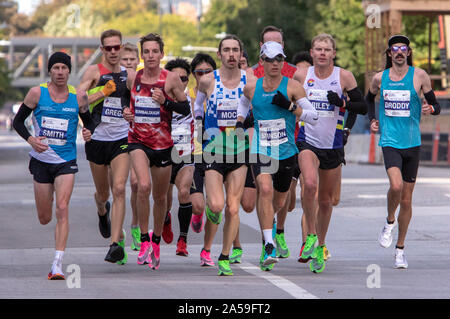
[{"x": 324, "y": 37}]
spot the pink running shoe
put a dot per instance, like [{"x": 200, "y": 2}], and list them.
[
  {"x": 197, "y": 223},
  {"x": 205, "y": 258},
  {"x": 154, "y": 254},
  {"x": 167, "y": 233},
  {"x": 144, "y": 252}
]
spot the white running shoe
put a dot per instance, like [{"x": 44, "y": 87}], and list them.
[
  {"x": 400, "y": 259},
  {"x": 385, "y": 236}
]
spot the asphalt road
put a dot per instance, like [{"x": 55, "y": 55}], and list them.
[{"x": 358, "y": 269}]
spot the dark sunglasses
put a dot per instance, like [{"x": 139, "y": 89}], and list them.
[
  {"x": 278, "y": 58},
  {"x": 203, "y": 72},
  {"x": 110, "y": 47},
  {"x": 184, "y": 78},
  {"x": 403, "y": 48}
]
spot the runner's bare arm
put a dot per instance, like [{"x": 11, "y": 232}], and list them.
[
  {"x": 432, "y": 107},
  {"x": 88, "y": 81},
  {"x": 371, "y": 94}
]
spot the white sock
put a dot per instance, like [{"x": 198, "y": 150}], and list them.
[
  {"x": 268, "y": 236},
  {"x": 57, "y": 261}
]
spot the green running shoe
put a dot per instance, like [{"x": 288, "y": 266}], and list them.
[
  {"x": 213, "y": 218},
  {"x": 317, "y": 264},
  {"x": 235, "y": 257},
  {"x": 136, "y": 236},
  {"x": 121, "y": 243},
  {"x": 282, "y": 248},
  {"x": 261, "y": 261},
  {"x": 308, "y": 250},
  {"x": 224, "y": 268}
]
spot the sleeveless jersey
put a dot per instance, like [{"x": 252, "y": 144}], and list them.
[
  {"x": 274, "y": 134},
  {"x": 107, "y": 113},
  {"x": 183, "y": 132},
  {"x": 58, "y": 123},
  {"x": 400, "y": 112},
  {"x": 328, "y": 132},
  {"x": 221, "y": 117},
  {"x": 152, "y": 121}
]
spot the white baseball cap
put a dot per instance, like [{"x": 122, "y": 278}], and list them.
[{"x": 271, "y": 49}]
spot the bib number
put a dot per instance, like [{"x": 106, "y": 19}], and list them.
[
  {"x": 112, "y": 110},
  {"x": 55, "y": 130},
  {"x": 181, "y": 136},
  {"x": 397, "y": 103},
  {"x": 146, "y": 110},
  {"x": 272, "y": 132},
  {"x": 227, "y": 112},
  {"x": 319, "y": 100}
]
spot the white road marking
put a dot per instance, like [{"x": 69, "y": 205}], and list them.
[
  {"x": 370, "y": 196},
  {"x": 423, "y": 180},
  {"x": 280, "y": 282}
]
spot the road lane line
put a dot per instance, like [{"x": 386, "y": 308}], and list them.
[{"x": 288, "y": 286}]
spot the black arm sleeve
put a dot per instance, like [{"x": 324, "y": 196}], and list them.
[
  {"x": 370, "y": 101},
  {"x": 183, "y": 107},
  {"x": 356, "y": 103},
  {"x": 431, "y": 99},
  {"x": 87, "y": 121},
  {"x": 19, "y": 121},
  {"x": 351, "y": 119}
]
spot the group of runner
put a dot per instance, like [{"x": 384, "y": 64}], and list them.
[{"x": 242, "y": 136}]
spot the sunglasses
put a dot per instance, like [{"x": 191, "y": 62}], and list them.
[
  {"x": 184, "y": 78},
  {"x": 278, "y": 58},
  {"x": 203, "y": 72},
  {"x": 110, "y": 47},
  {"x": 403, "y": 48}
]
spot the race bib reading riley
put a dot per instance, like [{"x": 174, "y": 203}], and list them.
[{"x": 319, "y": 100}]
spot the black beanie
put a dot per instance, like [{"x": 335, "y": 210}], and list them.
[{"x": 59, "y": 57}]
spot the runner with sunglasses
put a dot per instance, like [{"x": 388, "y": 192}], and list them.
[
  {"x": 183, "y": 167},
  {"x": 105, "y": 84},
  {"x": 276, "y": 102},
  {"x": 201, "y": 65},
  {"x": 321, "y": 146},
  {"x": 400, "y": 86},
  {"x": 155, "y": 94},
  {"x": 224, "y": 152}
]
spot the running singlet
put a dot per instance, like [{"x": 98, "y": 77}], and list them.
[
  {"x": 328, "y": 132},
  {"x": 221, "y": 117},
  {"x": 274, "y": 126},
  {"x": 183, "y": 132},
  {"x": 400, "y": 112},
  {"x": 152, "y": 121},
  {"x": 58, "y": 123},
  {"x": 107, "y": 113}
]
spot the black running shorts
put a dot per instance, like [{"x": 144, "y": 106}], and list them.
[
  {"x": 46, "y": 172},
  {"x": 103, "y": 152},
  {"x": 407, "y": 160}
]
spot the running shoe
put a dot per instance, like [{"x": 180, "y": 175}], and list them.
[
  {"x": 182, "y": 247},
  {"x": 197, "y": 223},
  {"x": 136, "y": 236},
  {"x": 236, "y": 256},
  {"x": 154, "y": 254},
  {"x": 104, "y": 222},
  {"x": 309, "y": 247},
  {"x": 121, "y": 243},
  {"x": 300, "y": 259},
  {"x": 115, "y": 253},
  {"x": 167, "y": 233},
  {"x": 214, "y": 218},
  {"x": 144, "y": 252},
  {"x": 317, "y": 265},
  {"x": 326, "y": 253},
  {"x": 282, "y": 248},
  {"x": 261, "y": 260},
  {"x": 270, "y": 255},
  {"x": 55, "y": 273},
  {"x": 385, "y": 236},
  {"x": 400, "y": 259},
  {"x": 224, "y": 268},
  {"x": 205, "y": 258}
]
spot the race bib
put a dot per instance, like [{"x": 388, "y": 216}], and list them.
[
  {"x": 112, "y": 110},
  {"x": 55, "y": 130},
  {"x": 181, "y": 136},
  {"x": 227, "y": 112},
  {"x": 397, "y": 103},
  {"x": 146, "y": 110},
  {"x": 319, "y": 100},
  {"x": 272, "y": 132}
]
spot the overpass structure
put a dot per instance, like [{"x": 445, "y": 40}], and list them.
[{"x": 27, "y": 57}]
